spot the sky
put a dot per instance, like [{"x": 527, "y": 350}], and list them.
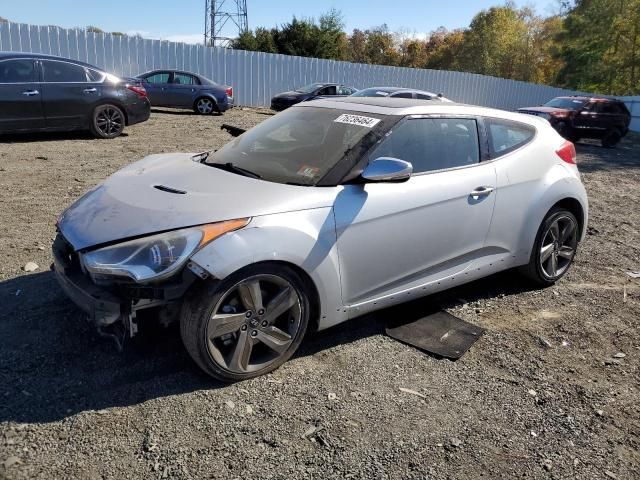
[{"x": 183, "y": 20}]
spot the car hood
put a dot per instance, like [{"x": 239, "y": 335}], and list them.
[
  {"x": 291, "y": 95},
  {"x": 170, "y": 191},
  {"x": 543, "y": 109}
]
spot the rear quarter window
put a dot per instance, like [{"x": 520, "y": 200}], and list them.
[{"x": 506, "y": 136}]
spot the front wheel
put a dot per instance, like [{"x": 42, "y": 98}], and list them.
[
  {"x": 249, "y": 324},
  {"x": 107, "y": 121},
  {"x": 554, "y": 248}
]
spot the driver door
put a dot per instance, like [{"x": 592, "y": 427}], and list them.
[{"x": 397, "y": 236}]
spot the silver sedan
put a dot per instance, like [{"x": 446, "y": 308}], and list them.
[{"x": 327, "y": 211}]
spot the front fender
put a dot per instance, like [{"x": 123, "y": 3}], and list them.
[{"x": 306, "y": 239}]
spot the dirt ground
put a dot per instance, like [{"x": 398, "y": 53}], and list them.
[{"x": 550, "y": 391}]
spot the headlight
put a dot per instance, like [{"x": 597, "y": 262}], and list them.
[{"x": 155, "y": 257}]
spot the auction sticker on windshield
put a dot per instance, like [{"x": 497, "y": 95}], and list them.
[{"x": 368, "y": 122}]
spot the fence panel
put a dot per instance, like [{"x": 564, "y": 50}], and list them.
[{"x": 256, "y": 77}]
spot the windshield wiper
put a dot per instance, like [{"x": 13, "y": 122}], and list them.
[{"x": 230, "y": 167}]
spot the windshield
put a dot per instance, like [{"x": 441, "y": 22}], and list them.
[
  {"x": 298, "y": 146},
  {"x": 566, "y": 103},
  {"x": 373, "y": 92},
  {"x": 309, "y": 88}
]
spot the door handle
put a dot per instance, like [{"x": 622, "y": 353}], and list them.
[
  {"x": 30, "y": 93},
  {"x": 89, "y": 90},
  {"x": 482, "y": 192}
]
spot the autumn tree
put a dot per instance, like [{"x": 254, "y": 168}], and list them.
[{"x": 600, "y": 47}]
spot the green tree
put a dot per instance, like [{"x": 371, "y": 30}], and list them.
[{"x": 600, "y": 47}]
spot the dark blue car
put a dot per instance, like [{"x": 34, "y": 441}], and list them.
[{"x": 177, "y": 89}]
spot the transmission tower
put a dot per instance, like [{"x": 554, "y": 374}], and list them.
[{"x": 217, "y": 15}]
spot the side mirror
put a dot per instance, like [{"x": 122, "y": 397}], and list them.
[{"x": 387, "y": 169}]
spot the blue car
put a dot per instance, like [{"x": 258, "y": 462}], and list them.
[{"x": 177, "y": 89}]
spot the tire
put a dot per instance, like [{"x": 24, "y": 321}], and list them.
[
  {"x": 107, "y": 121},
  {"x": 540, "y": 270},
  {"x": 567, "y": 132},
  {"x": 233, "y": 337},
  {"x": 611, "y": 138},
  {"x": 205, "y": 106}
]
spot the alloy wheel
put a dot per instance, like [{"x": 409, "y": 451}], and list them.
[
  {"x": 558, "y": 246},
  {"x": 254, "y": 323},
  {"x": 109, "y": 121},
  {"x": 205, "y": 106}
]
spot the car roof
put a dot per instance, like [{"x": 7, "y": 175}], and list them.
[
  {"x": 589, "y": 99},
  {"x": 10, "y": 55},
  {"x": 400, "y": 89},
  {"x": 410, "y": 106},
  {"x": 173, "y": 70}
]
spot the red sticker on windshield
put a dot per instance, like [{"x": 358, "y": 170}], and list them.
[{"x": 307, "y": 171}]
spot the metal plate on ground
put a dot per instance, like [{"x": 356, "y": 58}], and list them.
[{"x": 439, "y": 333}]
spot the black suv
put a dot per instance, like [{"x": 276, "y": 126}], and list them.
[{"x": 585, "y": 117}]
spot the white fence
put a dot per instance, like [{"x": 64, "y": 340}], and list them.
[
  {"x": 257, "y": 76},
  {"x": 633, "y": 104}
]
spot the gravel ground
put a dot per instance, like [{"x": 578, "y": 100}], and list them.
[{"x": 550, "y": 390}]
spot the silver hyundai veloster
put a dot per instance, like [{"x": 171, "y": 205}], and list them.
[{"x": 324, "y": 212}]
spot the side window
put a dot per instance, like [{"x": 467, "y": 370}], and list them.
[
  {"x": 423, "y": 96},
  {"x": 62, "y": 72},
  {"x": 402, "y": 95},
  {"x": 342, "y": 90},
  {"x": 506, "y": 136},
  {"x": 607, "y": 107},
  {"x": 17, "y": 71},
  {"x": 95, "y": 75},
  {"x": 432, "y": 143},
  {"x": 184, "y": 79},
  {"x": 162, "y": 77},
  {"x": 328, "y": 90}
]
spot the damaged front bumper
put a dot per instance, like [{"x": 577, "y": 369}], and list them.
[{"x": 114, "y": 309}]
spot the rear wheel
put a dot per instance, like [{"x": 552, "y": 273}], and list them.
[
  {"x": 249, "y": 324},
  {"x": 554, "y": 248},
  {"x": 107, "y": 121},
  {"x": 611, "y": 138},
  {"x": 205, "y": 106}
]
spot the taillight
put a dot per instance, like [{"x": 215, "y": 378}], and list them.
[
  {"x": 229, "y": 92},
  {"x": 138, "y": 90},
  {"x": 567, "y": 152}
]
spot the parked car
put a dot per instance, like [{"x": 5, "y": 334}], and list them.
[
  {"x": 47, "y": 93},
  {"x": 310, "y": 92},
  {"x": 329, "y": 210},
  {"x": 177, "y": 89},
  {"x": 397, "y": 92},
  {"x": 579, "y": 117}
]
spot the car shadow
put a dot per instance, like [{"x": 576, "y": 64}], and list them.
[
  {"x": 171, "y": 111},
  {"x": 593, "y": 157},
  {"x": 49, "y": 136},
  {"x": 53, "y": 365}
]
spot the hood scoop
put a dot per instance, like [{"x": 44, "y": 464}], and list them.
[{"x": 164, "y": 188}]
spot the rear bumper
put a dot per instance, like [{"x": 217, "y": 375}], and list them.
[
  {"x": 224, "y": 106},
  {"x": 138, "y": 111}
]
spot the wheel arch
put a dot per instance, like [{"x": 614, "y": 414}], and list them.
[
  {"x": 110, "y": 101},
  {"x": 210, "y": 96},
  {"x": 574, "y": 206},
  {"x": 304, "y": 240}
]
